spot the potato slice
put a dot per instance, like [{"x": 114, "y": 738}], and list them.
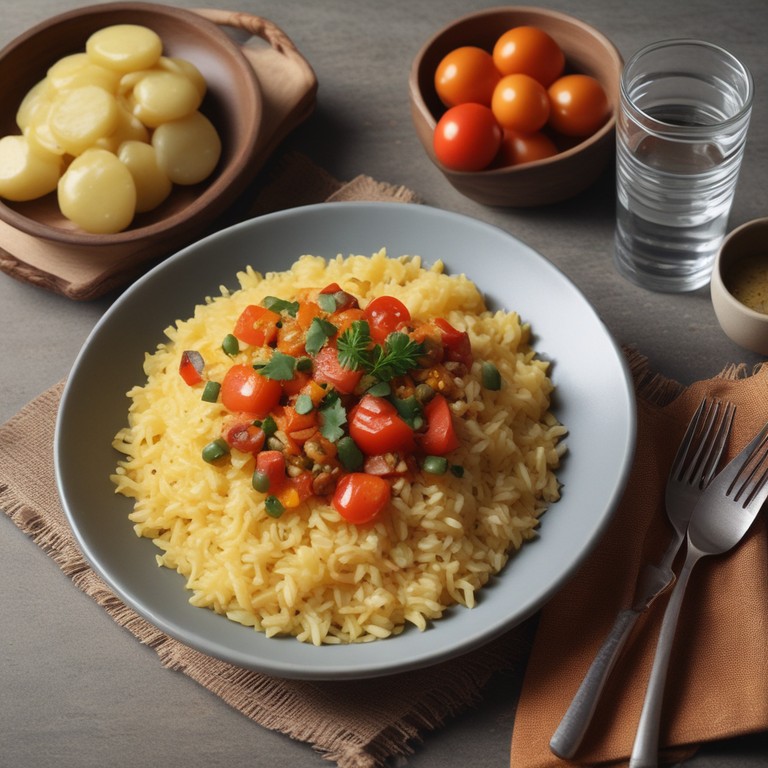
[{"x": 26, "y": 173}]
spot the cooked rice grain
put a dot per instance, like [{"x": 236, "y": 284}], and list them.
[{"x": 309, "y": 573}]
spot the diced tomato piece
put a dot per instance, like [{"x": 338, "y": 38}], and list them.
[
  {"x": 245, "y": 390},
  {"x": 296, "y": 490},
  {"x": 343, "y": 299},
  {"x": 297, "y": 384},
  {"x": 343, "y": 319},
  {"x": 291, "y": 337},
  {"x": 308, "y": 311},
  {"x": 385, "y": 465},
  {"x": 191, "y": 367},
  {"x": 246, "y": 437},
  {"x": 272, "y": 465},
  {"x": 458, "y": 347},
  {"x": 386, "y": 314},
  {"x": 257, "y": 325},
  {"x": 440, "y": 437},
  {"x": 329, "y": 370},
  {"x": 361, "y": 498},
  {"x": 376, "y": 427}
]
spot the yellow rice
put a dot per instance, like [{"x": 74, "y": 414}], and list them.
[{"x": 310, "y": 573}]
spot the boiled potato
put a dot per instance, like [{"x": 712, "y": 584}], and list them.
[
  {"x": 187, "y": 149},
  {"x": 97, "y": 192},
  {"x": 124, "y": 47},
  {"x": 80, "y": 117},
  {"x": 111, "y": 128},
  {"x": 158, "y": 96},
  {"x": 152, "y": 183},
  {"x": 26, "y": 173},
  {"x": 78, "y": 69}
]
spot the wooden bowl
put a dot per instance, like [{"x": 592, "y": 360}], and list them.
[
  {"x": 544, "y": 181},
  {"x": 233, "y": 103},
  {"x": 742, "y": 324}
]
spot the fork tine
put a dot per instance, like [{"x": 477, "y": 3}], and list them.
[
  {"x": 708, "y": 432},
  {"x": 752, "y": 475}
]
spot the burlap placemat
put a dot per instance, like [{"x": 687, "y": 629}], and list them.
[
  {"x": 355, "y": 724},
  {"x": 717, "y": 686}
]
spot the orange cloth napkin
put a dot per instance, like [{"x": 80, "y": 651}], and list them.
[{"x": 718, "y": 679}]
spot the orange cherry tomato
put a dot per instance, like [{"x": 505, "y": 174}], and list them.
[
  {"x": 521, "y": 103},
  {"x": 466, "y": 74},
  {"x": 245, "y": 390},
  {"x": 518, "y": 148},
  {"x": 579, "y": 105},
  {"x": 529, "y": 51},
  {"x": 360, "y": 497},
  {"x": 467, "y": 138}
]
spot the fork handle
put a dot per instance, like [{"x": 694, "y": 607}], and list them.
[
  {"x": 645, "y": 751},
  {"x": 575, "y": 722}
]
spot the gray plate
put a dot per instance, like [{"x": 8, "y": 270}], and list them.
[{"x": 594, "y": 399}]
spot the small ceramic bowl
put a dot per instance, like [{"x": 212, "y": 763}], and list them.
[
  {"x": 544, "y": 181},
  {"x": 233, "y": 104},
  {"x": 743, "y": 261}
]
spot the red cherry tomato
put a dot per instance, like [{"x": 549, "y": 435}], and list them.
[
  {"x": 440, "y": 437},
  {"x": 245, "y": 390},
  {"x": 246, "y": 437},
  {"x": 467, "y": 137},
  {"x": 579, "y": 105},
  {"x": 329, "y": 370},
  {"x": 256, "y": 325},
  {"x": 360, "y": 498},
  {"x": 386, "y": 314},
  {"x": 376, "y": 427},
  {"x": 466, "y": 74},
  {"x": 529, "y": 51},
  {"x": 518, "y": 148},
  {"x": 520, "y": 103}
]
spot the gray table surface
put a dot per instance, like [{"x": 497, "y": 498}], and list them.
[{"x": 75, "y": 690}]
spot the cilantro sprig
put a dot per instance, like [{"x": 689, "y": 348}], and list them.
[{"x": 398, "y": 355}]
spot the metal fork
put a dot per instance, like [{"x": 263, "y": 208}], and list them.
[
  {"x": 721, "y": 518},
  {"x": 694, "y": 465}
]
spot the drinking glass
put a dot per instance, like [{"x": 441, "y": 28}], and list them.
[{"x": 680, "y": 136}]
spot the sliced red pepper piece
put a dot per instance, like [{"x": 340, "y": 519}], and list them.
[
  {"x": 440, "y": 437},
  {"x": 191, "y": 367}
]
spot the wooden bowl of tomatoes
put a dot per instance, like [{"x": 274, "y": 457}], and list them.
[{"x": 517, "y": 106}]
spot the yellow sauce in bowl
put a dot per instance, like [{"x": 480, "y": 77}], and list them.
[{"x": 747, "y": 280}]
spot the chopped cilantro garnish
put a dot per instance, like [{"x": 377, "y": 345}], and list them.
[
  {"x": 399, "y": 354},
  {"x": 333, "y": 416},
  {"x": 318, "y": 333},
  {"x": 281, "y": 305},
  {"x": 327, "y": 302},
  {"x": 280, "y": 367}
]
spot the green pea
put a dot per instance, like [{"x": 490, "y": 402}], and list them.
[
  {"x": 273, "y": 506},
  {"x": 260, "y": 481},
  {"x": 211, "y": 391},
  {"x": 435, "y": 465},
  {"x": 230, "y": 345},
  {"x": 490, "y": 375},
  {"x": 215, "y": 450}
]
